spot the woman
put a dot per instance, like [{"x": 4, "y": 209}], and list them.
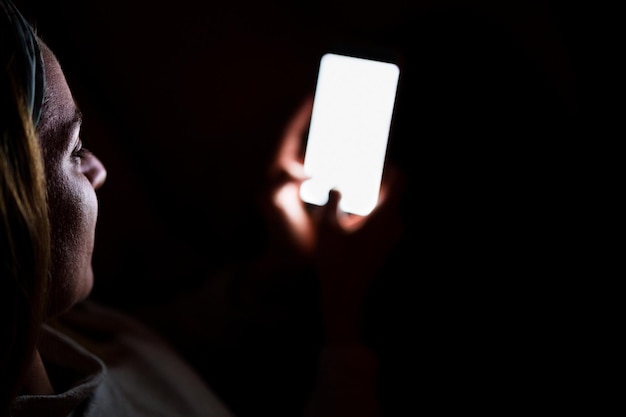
[{"x": 67, "y": 356}]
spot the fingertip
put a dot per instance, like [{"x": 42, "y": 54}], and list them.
[
  {"x": 332, "y": 206},
  {"x": 334, "y": 195},
  {"x": 395, "y": 183}
]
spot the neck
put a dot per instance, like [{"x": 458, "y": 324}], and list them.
[{"x": 36, "y": 381}]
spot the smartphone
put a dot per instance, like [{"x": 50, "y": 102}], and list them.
[{"x": 353, "y": 105}]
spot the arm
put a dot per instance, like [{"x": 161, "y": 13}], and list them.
[
  {"x": 350, "y": 252},
  {"x": 346, "y": 252}
]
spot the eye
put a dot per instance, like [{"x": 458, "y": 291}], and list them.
[{"x": 79, "y": 152}]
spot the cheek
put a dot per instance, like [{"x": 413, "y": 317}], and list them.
[{"x": 73, "y": 213}]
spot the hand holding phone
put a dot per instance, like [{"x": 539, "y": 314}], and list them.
[{"x": 349, "y": 131}]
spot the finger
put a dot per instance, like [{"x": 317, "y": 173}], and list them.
[
  {"x": 396, "y": 184},
  {"x": 392, "y": 189},
  {"x": 292, "y": 139},
  {"x": 331, "y": 209}
]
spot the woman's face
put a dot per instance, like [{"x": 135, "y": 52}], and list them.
[{"x": 73, "y": 174}]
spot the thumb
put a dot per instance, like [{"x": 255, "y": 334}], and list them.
[{"x": 331, "y": 209}]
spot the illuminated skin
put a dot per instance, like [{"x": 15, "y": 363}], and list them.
[
  {"x": 73, "y": 174},
  {"x": 347, "y": 249},
  {"x": 295, "y": 223}
]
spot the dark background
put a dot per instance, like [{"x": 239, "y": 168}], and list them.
[{"x": 185, "y": 103}]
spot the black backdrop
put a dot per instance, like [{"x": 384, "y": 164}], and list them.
[{"x": 185, "y": 102}]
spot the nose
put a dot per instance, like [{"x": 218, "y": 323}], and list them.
[{"x": 94, "y": 170}]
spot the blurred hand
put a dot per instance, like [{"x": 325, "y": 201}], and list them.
[
  {"x": 290, "y": 222},
  {"x": 346, "y": 250}
]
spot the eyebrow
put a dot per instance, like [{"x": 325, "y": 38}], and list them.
[
  {"x": 75, "y": 119},
  {"x": 65, "y": 130}
]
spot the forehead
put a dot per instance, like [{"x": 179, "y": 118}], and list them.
[{"x": 59, "y": 109}]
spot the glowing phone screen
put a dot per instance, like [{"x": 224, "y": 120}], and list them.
[{"x": 350, "y": 124}]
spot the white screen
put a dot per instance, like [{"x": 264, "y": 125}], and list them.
[{"x": 350, "y": 123}]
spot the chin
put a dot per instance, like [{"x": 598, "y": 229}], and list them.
[
  {"x": 85, "y": 285},
  {"x": 65, "y": 294}
]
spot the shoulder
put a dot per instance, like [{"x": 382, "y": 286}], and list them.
[{"x": 141, "y": 366}]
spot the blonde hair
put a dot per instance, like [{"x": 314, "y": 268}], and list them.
[{"x": 24, "y": 228}]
